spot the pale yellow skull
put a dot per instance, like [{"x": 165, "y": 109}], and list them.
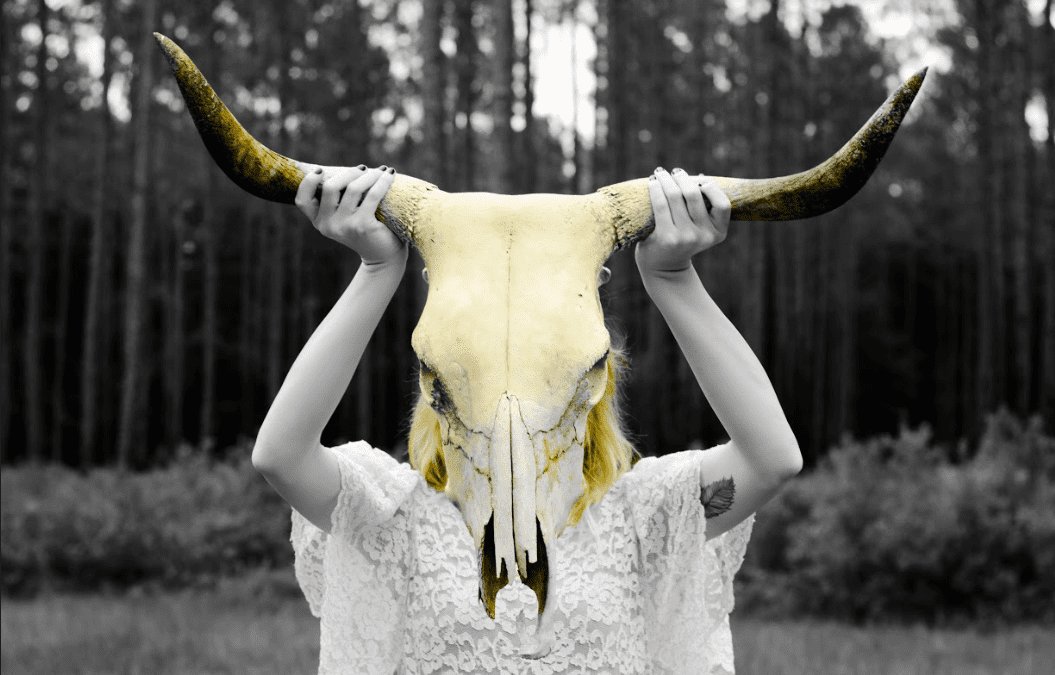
[{"x": 513, "y": 351}]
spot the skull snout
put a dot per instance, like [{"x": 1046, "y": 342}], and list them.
[{"x": 513, "y": 464}]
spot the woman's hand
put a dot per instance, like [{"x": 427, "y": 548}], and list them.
[
  {"x": 686, "y": 222},
  {"x": 350, "y": 218}
]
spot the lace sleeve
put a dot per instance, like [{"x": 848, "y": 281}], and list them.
[
  {"x": 687, "y": 580},
  {"x": 373, "y": 486}
]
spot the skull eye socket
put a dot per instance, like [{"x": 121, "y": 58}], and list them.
[
  {"x": 601, "y": 362},
  {"x": 441, "y": 401}
]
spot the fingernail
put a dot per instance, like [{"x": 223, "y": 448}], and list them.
[
  {"x": 384, "y": 167},
  {"x": 392, "y": 170},
  {"x": 658, "y": 169},
  {"x": 652, "y": 177},
  {"x": 318, "y": 169},
  {"x": 361, "y": 167},
  {"x": 677, "y": 170}
]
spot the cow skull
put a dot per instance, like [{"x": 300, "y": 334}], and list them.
[{"x": 512, "y": 341}]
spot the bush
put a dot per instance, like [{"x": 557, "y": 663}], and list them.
[
  {"x": 888, "y": 529},
  {"x": 191, "y": 522},
  {"x": 882, "y": 530}
]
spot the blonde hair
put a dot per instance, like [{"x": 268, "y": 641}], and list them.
[{"x": 608, "y": 452}]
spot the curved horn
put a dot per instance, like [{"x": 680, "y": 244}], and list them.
[
  {"x": 261, "y": 171},
  {"x": 801, "y": 195}
]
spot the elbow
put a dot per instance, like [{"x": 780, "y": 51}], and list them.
[
  {"x": 792, "y": 466},
  {"x": 789, "y": 462},
  {"x": 264, "y": 457},
  {"x": 783, "y": 465}
]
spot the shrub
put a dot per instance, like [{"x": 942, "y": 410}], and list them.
[
  {"x": 188, "y": 523},
  {"x": 888, "y": 529}
]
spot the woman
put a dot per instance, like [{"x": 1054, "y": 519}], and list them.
[{"x": 644, "y": 587}]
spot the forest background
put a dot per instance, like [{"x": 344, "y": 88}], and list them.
[
  {"x": 148, "y": 301},
  {"x": 150, "y": 308}
]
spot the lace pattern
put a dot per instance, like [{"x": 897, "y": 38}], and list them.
[{"x": 637, "y": 587}]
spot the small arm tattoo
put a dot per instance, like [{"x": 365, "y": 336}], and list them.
[{"x": 717, "y": 497}]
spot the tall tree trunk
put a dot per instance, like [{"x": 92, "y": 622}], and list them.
[
  {"x": 618, "y": 100},
  {"x": 135, "y": 277},
  {"x": 174, "y": 338},
  {"x": 433, "y": 79},
  {"x": 846, "y": 283},
  {"x": 211, "y": 231},
  {"x": 1020, "y": 147},
  {"x": 62, "y": 306},
  {"x": 33, "y": 375},
  {"x": 101, "y": 257},
  {"x": 505, "y": 52},
  {"x": 6, "y": 329},
  {"x": 577, "y": 186},
  {"x": 249, "y": 266},
  {"x": 275, "y": 315},
  {"x": 822, "y": 308},
  {"x": 465, "y": 71},
  {"x": 991, "y": 297},
  {"x": 434, "y": 143},
  {"x": 1047, "y": 386},
  {"x": 530, "y": 165}
]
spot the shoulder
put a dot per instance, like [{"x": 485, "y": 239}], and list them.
[{"x": 374, "y": 485}]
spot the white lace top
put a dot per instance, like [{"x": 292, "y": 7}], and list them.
[{"x": 637, "y": 587}]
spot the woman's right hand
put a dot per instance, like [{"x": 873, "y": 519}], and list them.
[{"x": 350, "y": 218}]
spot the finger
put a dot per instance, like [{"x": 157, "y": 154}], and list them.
[
  {"x": 678, "y": 210},
  {"x": 352, "y": 173},
  {"x": 660, "y": 207},
  {"x": 305, "y": 199},
  {"x": 378, "y": 191},
  {"x": 333, "y": 189},
  {"x": 721, "y": 208},
  {"x": 357, "y": 189},
  {"x": 690, "y": 190}
]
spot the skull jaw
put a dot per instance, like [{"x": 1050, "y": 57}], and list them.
[{"x": 537, "y": 572}]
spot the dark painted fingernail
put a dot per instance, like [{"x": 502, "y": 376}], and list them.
[
  {"x": 361, "y": 167},
  {"x": 318, "y": 169},
  {"x": 384, "y": 167},
  {"x": 392, "y": 170}
]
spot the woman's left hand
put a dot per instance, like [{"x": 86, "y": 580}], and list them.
[{"x": 685, "y": 225}]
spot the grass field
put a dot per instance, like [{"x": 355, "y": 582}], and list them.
[{"x": 236, "y": 630}]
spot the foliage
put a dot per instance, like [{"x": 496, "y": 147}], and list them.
[
  {"x": 189, "y": 523},
  {"x": 891, "y": 529},
  {"x": 887, "y": 529}
]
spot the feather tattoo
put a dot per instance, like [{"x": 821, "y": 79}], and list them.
[{"x": 717, "y": 498}]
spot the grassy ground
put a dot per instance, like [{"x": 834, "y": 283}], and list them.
[{"x": 231, "y": 631}]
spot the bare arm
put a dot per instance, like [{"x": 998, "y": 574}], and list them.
[
  {"x": 763, "y": 452},
  {"x": 288, "y": 451}
]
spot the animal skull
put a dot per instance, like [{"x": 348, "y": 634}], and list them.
[{"x": 511, "y": 341}]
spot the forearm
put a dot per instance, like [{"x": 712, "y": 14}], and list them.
[
  {"x": 727, "y": 371},
  {"x": 321, "y": 373}
]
